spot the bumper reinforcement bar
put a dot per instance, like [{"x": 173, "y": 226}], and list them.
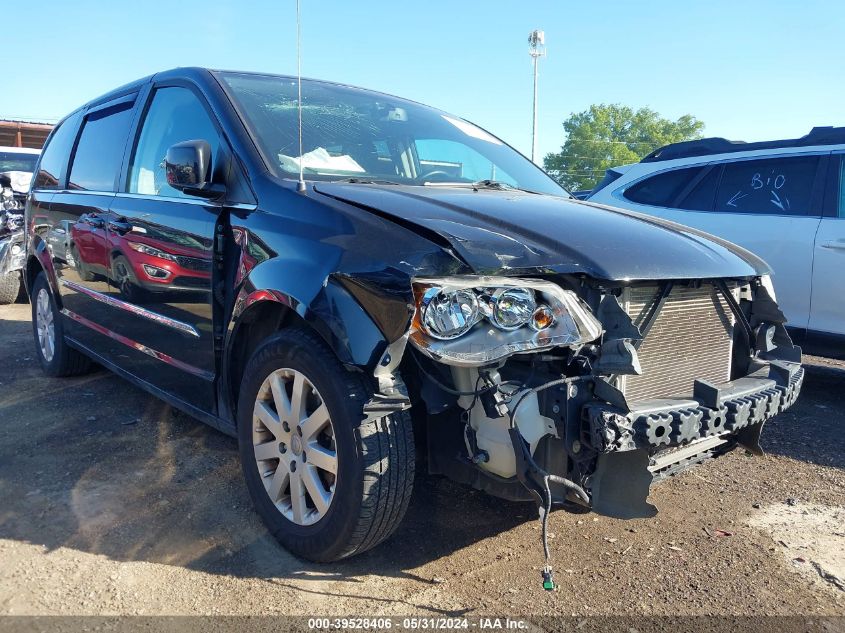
[{"x": 678, "y": 422}]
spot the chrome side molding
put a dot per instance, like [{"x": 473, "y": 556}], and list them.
[{"x": 179, "y": 326}]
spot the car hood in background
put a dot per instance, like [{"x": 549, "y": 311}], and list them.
[
  {"x": 20, "y": 180},
  {"x": 495, "y": 231}
]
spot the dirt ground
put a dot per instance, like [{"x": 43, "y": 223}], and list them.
[{"x": 113, "y": 503}]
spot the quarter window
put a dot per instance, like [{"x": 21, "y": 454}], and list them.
[
  {"x": 175, "y": 115},
  {"x": 775, "y": 186},
  {"x": 55, "y": 156},
  {"x": 100, "y": 148},
  {"x": 663, "y": 190}
]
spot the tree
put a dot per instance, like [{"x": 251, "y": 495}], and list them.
[{"x": 609, "y": 135}]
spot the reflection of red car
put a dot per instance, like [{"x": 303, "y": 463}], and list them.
[
  {"x": 87, "y": 246},
  {"x": 141, "y": 257}
]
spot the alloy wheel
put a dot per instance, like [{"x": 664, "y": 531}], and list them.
[
  {"x": 45, "y": 326},
  {"x": 294, "y": 446}
]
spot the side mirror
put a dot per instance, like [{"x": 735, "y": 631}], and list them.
[
  {"x": 188, "y": 168},
  {"x": 5, "y": 180}
]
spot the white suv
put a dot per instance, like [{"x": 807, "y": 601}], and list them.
[{"x": 783, "y": 200}]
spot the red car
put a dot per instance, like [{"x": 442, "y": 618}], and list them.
[{"x": 139, "y": 258}]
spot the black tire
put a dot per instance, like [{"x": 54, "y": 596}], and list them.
[
  {"x": 126, "y": 281},
  {"x": 82, "y": 269},
  {"x": 66, "y": 361},
  {"x": 22, "y": 296},
  {"x": 375, "y": 460},
  {"x": 10, "y": 287}
]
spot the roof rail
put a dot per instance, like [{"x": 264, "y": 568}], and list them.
[{"x": 828, "y": 135}]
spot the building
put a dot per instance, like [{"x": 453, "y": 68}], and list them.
[{"x": 23, "y": 133}]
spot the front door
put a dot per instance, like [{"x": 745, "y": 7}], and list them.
[{"x": 160, "y": 244}]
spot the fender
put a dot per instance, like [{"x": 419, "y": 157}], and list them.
[
  {"x": 330, "y": 310},
  {"x": 37, "y": 249},
  {"x": 333, "y": 313}
]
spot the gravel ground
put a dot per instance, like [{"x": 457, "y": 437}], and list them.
[{"x": 113, "y": 503}]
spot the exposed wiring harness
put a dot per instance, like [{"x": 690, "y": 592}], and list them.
[
  {"x": 546, "y": 508},
  {"x": 520, "y": 444}
]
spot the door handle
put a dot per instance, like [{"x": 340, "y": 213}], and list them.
[{"x": 836, "y": 246}]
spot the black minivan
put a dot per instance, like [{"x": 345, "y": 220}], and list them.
[{"x": 387, "y": 285}]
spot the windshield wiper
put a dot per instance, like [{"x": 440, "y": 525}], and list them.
[
  {"x": 498, "y": 184},
  {"x": 367, "y": 181},
  {"x": 487, "y": 183},
  {"x": 481, "y": 184}
]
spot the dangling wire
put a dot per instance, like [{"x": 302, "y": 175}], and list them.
[
  {"x": 546, "y": 507},
  {"x": 548, "y": 574},
  {"x": 301, "y": 184}
]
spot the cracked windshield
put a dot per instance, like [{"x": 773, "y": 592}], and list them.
[{"x": 364, "y": 136}]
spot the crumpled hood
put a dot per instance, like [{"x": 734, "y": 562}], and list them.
[{"x": 496, "y": 231}]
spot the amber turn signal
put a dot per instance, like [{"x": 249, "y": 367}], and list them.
[{"x": 542, "y": 318}]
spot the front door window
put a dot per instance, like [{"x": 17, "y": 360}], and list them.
[{"x": 175, "y": 115}]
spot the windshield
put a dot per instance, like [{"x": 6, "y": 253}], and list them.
[
  {"x": 14, "y": 161},
  {"x": 349, "y": 133}
]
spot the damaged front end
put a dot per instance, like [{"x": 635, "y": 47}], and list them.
[
  {"x": 582, "y": 394},
  {"x": 11, "y": 226}
]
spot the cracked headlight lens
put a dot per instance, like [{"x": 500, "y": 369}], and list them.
[{"x": 472, "y": 321}]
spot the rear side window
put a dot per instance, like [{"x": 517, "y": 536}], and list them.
[
  {"x": 100, "y": 148},
  {"x": 775, "y": 186},
  {"x": 703, "y": 192},
  {"x": 663, "y": 190},
  {"x": 55, "y": 155},
  {"x": 841, "y": 188}
]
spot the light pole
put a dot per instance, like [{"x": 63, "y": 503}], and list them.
[{"x": 537, "y": 49}]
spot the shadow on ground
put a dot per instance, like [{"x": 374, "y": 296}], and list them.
[
  {"x": 813, "y": 430},
  {"x": 96, "y": 465}
]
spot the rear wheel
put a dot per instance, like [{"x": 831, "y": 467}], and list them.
[
  {"x": 10, "y": 287},
  {"x": 327, "y": 484},
  {"x": 57, "y": 358}
]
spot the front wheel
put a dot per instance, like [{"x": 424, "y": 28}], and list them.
[
  {"x": 81, "y": 267},
  {"x": 124, "y": 276},
  {"x": 327, "y": 484}
]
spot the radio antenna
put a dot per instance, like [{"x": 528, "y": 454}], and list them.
[{"x": 300, "y": 186}]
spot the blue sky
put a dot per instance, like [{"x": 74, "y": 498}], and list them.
[{"x": 751, "y": 70}]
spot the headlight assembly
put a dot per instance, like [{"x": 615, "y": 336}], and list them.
[
  {"x": 472, "y": 321},
  {"x": 152, "y": 252},
  {"x": 511, "y": 308},
  {"x": 447, "y": 315}
]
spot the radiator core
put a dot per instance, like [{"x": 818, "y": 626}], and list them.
[{"x": 692, "y": 338}]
